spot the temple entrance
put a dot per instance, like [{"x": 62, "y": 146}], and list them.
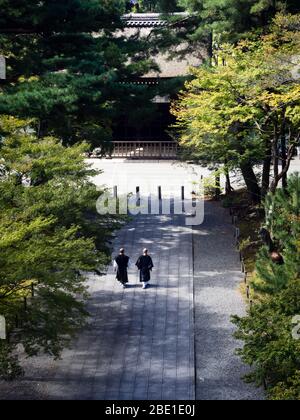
[{"x": 138, "y": 136}]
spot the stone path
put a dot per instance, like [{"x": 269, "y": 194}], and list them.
[{"x": 140, "y": 344}]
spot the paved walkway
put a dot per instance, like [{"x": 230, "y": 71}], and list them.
[{"x": 140, "y": 344}]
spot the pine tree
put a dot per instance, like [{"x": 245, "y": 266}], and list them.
[
  {"x": 233, "y": 19},
  {"x": 66, "y": 66},
  {"x": 270, "y": 346},
  {"x": 283, "y": 221}
]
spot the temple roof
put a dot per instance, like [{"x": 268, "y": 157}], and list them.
[
  {"x": 142, "y": 24},
  {"x": 143, "y": 20}
]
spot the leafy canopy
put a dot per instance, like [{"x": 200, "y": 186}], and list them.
[{"x": 50, "y": 236}]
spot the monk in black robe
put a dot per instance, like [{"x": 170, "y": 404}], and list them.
[
  {"x": 121, "y": 265},
  {"x": 145, "y": 265}
]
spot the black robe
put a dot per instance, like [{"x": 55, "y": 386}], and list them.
[
  {"x": 122, "y": 263},
  {"x": 145, "y": 265}
]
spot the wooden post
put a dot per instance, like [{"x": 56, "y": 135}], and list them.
[
  {"x": 159, "y": 194},
  {"x": 115, "y": 191},
  {"x": 182, "y": 193}
]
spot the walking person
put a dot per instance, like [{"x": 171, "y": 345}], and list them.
[
  {"x": 121, "y": 264},
  {"x": 145, "y": 265}
]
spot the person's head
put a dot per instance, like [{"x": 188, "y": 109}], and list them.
[
  {"x": 145, "y": 251},
  {"x": 122, "y": 251}
]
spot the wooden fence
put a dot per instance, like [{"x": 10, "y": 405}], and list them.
[{"x": 145, "y": 149}]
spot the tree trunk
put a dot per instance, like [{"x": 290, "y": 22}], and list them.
[
  {"x": 42, "y": 129},
  {"x": 228, "y": 187},
  {"x": 211, "y": 47},
  {"x": 284, "y": 154},
  {"x": 285, "y": 169},
  {"x": 275, "y": 158},
  {"x": 275, "y": 150},
  {"x": 218, "y": 186},
  {"x": 266, "y": 171},
  {"x": 251, "y": 182}
]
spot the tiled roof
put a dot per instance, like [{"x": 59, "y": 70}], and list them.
[
  {"x": 171, "y": 64},
  {"x": 146, "y": 20}
]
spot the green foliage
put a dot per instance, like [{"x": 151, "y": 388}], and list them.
[
  {"x": 283, "y": 220},
  {"x": 269, "y": 345},
  {"x": 66, "y": 67},
  {"x": 233, "y": 113},
  {"x": 50, "y": 236},
  {"x": 9, "y": 366},
  {"x": 233, "y": 19},
  {"x": 289, "y": 390},
  {"x": 153, "y": 6}
]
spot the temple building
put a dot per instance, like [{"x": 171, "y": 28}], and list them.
[{"x": 148, "y": 138}]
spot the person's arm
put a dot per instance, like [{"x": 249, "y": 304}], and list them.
[
  {"x": 138, "y": 263},
  {"x": 151, "y": 265}
]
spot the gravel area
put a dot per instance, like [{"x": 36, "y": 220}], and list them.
[{"x": 217, "y": 278}]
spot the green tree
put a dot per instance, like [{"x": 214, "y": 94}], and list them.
[
  {"x": 50, "y": 236},
  {"x": 270, "y": 346},
  {"x": 233, "y": 19},
  {"x": 153, "y": 6},
  {"x": 282, "y": 221},
  {"x": 66, "y": 66},
  {"x": 239, "y": 112}
]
